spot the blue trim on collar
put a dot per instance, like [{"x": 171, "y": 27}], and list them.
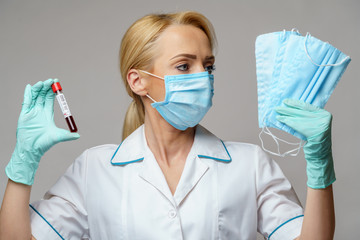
[
  {"x": 140, "y": 159},
  {"x": 123, "y": 163},
  {"x": 115, "y": 152},
  {"x": 47, "y": 222},
  {"x": 219, "y": 159},
  {"x": 283, "y": 225}
]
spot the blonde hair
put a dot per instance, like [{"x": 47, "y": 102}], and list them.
[{"x": 137, "y": 51}]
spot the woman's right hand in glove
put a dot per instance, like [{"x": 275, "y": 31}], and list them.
[{"x": 36, "y": 132}]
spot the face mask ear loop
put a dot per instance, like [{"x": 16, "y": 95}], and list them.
[
  {"x": 276, "y": 140},
  {"x": 319, "y": 65},
  {"x": 151, "y": 98},
  {"x": 152, "y": 74},
  {"x": 284, "y": 33},
  {"x": 295, "y": 30},
  {"x": 268, "y": 132}
]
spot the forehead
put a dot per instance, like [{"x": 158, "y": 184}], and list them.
[{"x": 183, "y": 39}]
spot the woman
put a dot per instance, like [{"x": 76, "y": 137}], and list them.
[{"x": 170, "y": 178}]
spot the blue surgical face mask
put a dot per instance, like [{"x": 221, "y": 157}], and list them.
[
  {"x": 289, "y": 65},
  {"x": 188, "y": 97}
]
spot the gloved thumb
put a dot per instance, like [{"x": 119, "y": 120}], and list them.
[{"x": 65, "y": 135}]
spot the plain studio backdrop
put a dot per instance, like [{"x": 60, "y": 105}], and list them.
[{"x": 78, "y": 42}]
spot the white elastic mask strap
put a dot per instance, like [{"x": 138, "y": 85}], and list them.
[
  {"x": 295, "y": 30},
  {"x": 276, "y": 140},
  {"x": 321, "y": 65},
  {"x": 152, "y": 74},
  {"x": 267, "y": 131},
  {"x": 292, "y": 30},
  {"x": 151, "y": 98}
]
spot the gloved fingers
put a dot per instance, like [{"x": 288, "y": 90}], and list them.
[
  {"x": 291, "y": 122},
  {"x": 65, "y": 135},
  {"x": 304, "y": 115},
  {"x": 298, "y": 104},
  {"x": 294, "y": 112},
  {"x": 49, "y": 101},
  {"x": 35, "y": 90},
  {"x": 306, "y": 127},
  {"x": 41, "y": 96},
  {"x": 27, "y": 98}
]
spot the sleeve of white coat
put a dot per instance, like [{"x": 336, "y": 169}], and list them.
[
  {"x": 280, "y": 213},
  {"x": 61, "y": 214}
]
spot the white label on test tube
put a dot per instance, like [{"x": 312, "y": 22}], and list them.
[{"x": 63, "y": 105}]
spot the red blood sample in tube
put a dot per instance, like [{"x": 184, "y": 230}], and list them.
[{"x": 56, "y": 87}]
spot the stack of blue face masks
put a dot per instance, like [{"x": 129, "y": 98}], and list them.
[{"x": 289, "y": 65}]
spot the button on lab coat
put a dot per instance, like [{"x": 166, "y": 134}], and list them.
[{"x": 227, "y": 190}]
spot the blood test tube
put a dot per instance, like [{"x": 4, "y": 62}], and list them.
[{"x": 57, "y": 89}]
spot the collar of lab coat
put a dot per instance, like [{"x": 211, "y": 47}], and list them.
[{"x": 134, "y": 147}]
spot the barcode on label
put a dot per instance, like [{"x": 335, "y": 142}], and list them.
[{"x": 63, "y": 105}]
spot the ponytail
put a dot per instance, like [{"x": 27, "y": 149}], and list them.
[{"x": 134, "y": 117}]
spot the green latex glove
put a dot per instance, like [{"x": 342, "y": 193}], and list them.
[
  {"x": 315, "y": 124},
  {"x": 36, "y": 132}
]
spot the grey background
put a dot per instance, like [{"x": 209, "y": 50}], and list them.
[{"x": 78, "y": 42}]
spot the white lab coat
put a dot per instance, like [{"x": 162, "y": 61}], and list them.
[{"x": 228, "y": 190}]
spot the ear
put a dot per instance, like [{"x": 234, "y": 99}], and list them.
[{"x": 136, "y": 82}]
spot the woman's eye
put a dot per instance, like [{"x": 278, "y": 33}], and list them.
[
  {"x": 183, "y": 67},
  {"x": 210, "y": 68}
]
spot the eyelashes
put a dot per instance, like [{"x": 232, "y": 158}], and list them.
[
  {"x": 210, "y": 69},
  {"x": 185, "y": 67}
]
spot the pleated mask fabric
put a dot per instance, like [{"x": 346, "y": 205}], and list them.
[
  {"x": 188, "y": 97},
  {"x": 289, "y": 65}
]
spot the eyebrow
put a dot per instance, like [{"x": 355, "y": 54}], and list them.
[{"x": 191, "y": 56}]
